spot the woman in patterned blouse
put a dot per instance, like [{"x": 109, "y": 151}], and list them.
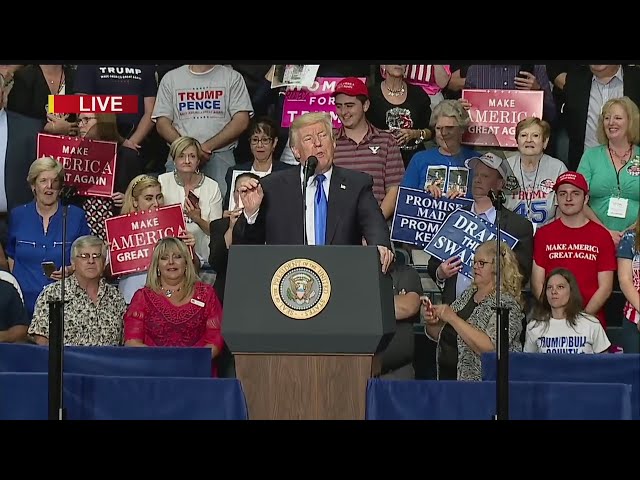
[
  {"x": 174, "y": 309},
  {"x": 472, "y": 315}
]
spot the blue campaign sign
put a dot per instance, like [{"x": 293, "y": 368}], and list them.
[
  {"x": 460, "y": 235},
  {"x": 419, "y": 216}
]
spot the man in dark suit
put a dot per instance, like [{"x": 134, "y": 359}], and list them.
[
  {"x": 18, "y": 140},
  {"x": 586, "y": 90},
  {"x": 490, "y": 173},
  {"x": 341, "y": 208}
]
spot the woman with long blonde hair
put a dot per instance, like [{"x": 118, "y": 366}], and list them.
[
  {"x": 174, "y": 308},
  {"x": 472, "y": 318}
]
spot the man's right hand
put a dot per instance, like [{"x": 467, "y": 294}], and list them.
[
  {"x": 449, "y": 268},
  {"x": 251, "y": 195}
]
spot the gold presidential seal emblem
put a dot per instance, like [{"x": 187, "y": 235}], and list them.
[{"x": 300, "y": 289}]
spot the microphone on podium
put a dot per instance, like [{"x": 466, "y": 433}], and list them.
[{"x": 309, "y": 169}]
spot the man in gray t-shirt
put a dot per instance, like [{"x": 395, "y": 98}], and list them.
[{"x": 209, "y": 103}]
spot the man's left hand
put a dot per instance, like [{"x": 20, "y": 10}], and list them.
[{"x": 386, "y": 257}]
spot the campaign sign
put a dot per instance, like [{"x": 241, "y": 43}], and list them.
[
  {"x": 495, "y": 114},
  {"x": 460, "y": 235},
  {"x": 316, "y": 98},
  {"x": 419, "y": 216},
  {"x": 132, "y": 237},
  {"x": 89, "y": 165}
]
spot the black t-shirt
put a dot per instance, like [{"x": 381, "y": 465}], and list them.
[
  {"x": 119, "y": 80},
  {"x": 12, "y": 308}
]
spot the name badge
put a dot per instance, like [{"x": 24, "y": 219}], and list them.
[
  {"x": 618, "y": 207},
  {"x": 197, "y": 302}
]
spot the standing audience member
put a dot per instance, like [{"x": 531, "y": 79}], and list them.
[
  {"x": 35, "y": 231},
  {"x": 629, "y": 276}
]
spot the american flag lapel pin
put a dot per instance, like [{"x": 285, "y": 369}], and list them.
[{"x": 343, "y": 186}]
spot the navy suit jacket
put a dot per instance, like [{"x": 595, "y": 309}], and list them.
[
  {"x": 22, "y": 137},
  {"x": 353, "y": 212}
]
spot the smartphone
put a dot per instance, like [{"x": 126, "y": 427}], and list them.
[
  {"x": 48, "y": 268},
  {"x": 195, "y": 201}
]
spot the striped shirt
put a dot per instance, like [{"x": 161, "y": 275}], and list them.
[{"x": 377, "y": 154}]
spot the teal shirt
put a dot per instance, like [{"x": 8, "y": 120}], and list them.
[{"x": 598, "y": 169}]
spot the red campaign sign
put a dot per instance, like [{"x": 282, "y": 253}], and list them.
[
  {"x": 89, "y": 165},
  {"x": 132, "y": 237},
  {"x": 496, "y": 113}
]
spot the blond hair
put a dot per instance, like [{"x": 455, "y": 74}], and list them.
[
  {"x": 534, "y": 121},
  {"x": 135, "y": 189},
  {"x": 510, "y": 274},
  {"x": 45, "y": 164},
  {"x": 180, "y": 144},
  {"x": 631, "y": 109},
  {"x": 307, "y": 119},
  {"x": 171, "y": 245}
]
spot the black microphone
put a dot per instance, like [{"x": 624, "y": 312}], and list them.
[
  {"x": 497, "y": 198},
  {"x": 308, "y": 169}
]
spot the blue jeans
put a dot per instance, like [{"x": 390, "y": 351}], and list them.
[
  {"x": 630, "y": 337},
  {"x": 216, "y": 168}
]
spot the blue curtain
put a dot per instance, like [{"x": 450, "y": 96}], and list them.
[
  {"x": 451, "y": 400},
  {"x": 541, "y": 367},
  {"x": 116, "y": 361},
  {"x": 88, "y": 397}
]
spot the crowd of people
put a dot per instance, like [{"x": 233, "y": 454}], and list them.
[{"x": 210, "y": 139}]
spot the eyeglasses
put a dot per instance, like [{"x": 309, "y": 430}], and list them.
[
  {"x": 85, "y": 120},
  {"x": 86, "y": 256},
  {"x": 264, "y": 141},
  {"x": 480, "y": 263}
]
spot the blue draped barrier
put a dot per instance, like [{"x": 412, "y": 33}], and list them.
[
  {"x": 116, "y": 361},
  {"x": 90, "y": 397},
  {"x": 540, "y": 367},
  {"x": 451, "y": 400}
]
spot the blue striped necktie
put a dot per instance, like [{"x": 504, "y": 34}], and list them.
[{"x": 320, "y": 211}]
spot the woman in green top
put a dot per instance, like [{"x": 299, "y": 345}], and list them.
[{"x": 613, "y": 168}]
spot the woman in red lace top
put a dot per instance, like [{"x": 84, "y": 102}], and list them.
[{"x": 174, "y": 309}]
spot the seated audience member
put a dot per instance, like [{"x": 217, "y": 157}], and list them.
[
  {"x": 361, "y": 146},
  {"x": 7, "y": 277},
  {"x": 536, "y": 173},
  {"x": 442, "y": 170},
  {"x": 174, "y": 309},
  {"x": 397, "y": 359},
  {"x": 629, "y": 276},
  {"x": 35, "y": 231},
  {"x": 263, "y": 139},
  {"x": 559, "y": 324},
  {"x": 143, "y": 193},
  {"x": 612, "y": 169},
  {"x": 574, "y": 242},
  {"x": 93, "y": 310},
  {"x": 472, "y": 315},
  {"x": 14, "y": 321},
  {"x": 221, "y": 236},
  {"x": 198, "y": 194},
  {"x": 103, "y": 127}
]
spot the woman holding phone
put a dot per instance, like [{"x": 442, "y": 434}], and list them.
[{"x": 198, "y": 194}]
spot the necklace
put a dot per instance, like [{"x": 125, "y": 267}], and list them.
[
  {"x": 169, "y": 292},
  {"x": 394, "y": 93}
]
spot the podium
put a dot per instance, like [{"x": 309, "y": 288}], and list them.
[{"x": 305, "y": 325}]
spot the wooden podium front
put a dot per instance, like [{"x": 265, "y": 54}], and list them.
[
  {"x": 305, "y": 325},
  {"x": 305, "y": 387}
]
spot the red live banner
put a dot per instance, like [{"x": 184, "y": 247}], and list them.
[
  {"x": 496, "y": 113},
  {"x": 66, "y": 104},
  {"x": 89, "y": 165},
  {"x": 133, "y": 237}
]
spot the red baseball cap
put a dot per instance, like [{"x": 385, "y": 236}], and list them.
[
  {"x": 572, "y": 178},
  {"x": 351, "y": 86}
]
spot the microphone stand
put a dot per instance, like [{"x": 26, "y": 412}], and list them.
[
  {"x": 56, "y": 328},
  {"x": 502, "y": 322},
  {"x": 305, "y": 175}
]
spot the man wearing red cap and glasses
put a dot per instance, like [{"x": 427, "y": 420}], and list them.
[
  {"x": 363, "y": 147},
  {"x": 574, "y": 242}
]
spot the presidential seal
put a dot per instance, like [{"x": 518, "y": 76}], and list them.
[{"x": 300, "y": 289}]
